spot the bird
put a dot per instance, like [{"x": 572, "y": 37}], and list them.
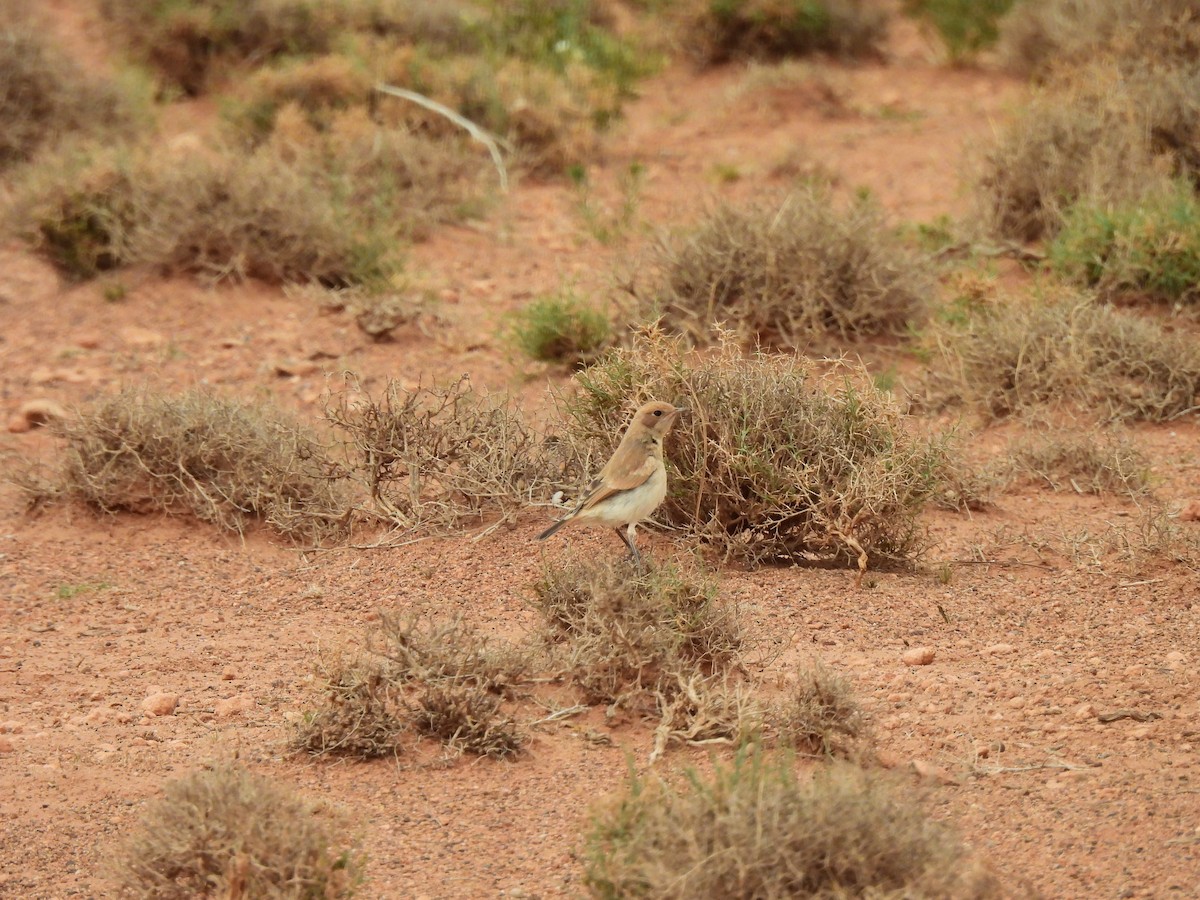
[{"x": 633, "y": 482}]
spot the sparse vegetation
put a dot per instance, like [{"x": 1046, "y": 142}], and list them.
[
  {"x": 788, "y": 274},
  {"x": 1073, "y": 353},
  {"x": 755, "y": 830},
  {"x": 1085, "y": 463},
  {"x": 360, "y": 716},
  {"x": 1149, "y": 249},
  {"x": 721, "y": 31},
  {"x": 820, "y": 714},
  {"x": 332, "y": 208},
  {"x": 836, "y": 476},
  {"x": 223, "y": 461},
  {"x": 230, "y": 833},
  {"x": 45, "y": 96},
  {"x": 965, "y": 26},
  {"x": 562, "y": 329}
]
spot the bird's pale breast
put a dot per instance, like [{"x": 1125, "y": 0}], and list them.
[{"x": 634, "y": 505}]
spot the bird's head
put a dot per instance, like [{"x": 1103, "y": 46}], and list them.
[{"x": 656, "y": 418}]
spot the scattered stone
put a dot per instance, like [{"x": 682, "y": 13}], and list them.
[
  {"x": 229, "y": 673},
  {"x": 6, "y": 744},
  {"x": 35, "y": 413},
  {"x": 931, "y": 772},
  {"x": 998, "y": 649},
  {"x": 1017, "y": 702},
  {"x": 88, "y": 341},
  {"x": 233, "y": 706},
  {"x": 918, "y": 656},
  {"x": 160, "y": 704},
  {"x": 1175, "y": 660},
  {"x": 1085, "y": 711},
  {"x": 97, "y": 716},
  {"x": 1191, "y": 512},
  {"x": 11, "y": 727}
]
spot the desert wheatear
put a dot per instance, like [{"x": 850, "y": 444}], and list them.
[{"x": 633, "y": 483}]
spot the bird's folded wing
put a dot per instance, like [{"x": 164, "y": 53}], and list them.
[{"x": 620, "y": 478}]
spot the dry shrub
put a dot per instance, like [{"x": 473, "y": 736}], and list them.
[
  {"x": 1038, "y": 38},
  {"x": 230, "y": 833},
  {"x": 1089, "y": 463},
  {"x": 360, "y": 717},
  {"x": 331, "y": 208},
  {"x": 44, "y": 94},
  {"x": 439, "y": 456},
  {"x": 965, "y": 26},
  {"x": 788, "y": 273},
  {"x": 320, "y": 86},
  {"x": 754, "y": 830},
  {"x": 1097, "y": 133},
  {"x": 773, "y": 463},
  {"x": 441, "y": 679},
  {"x": 1071, "y": 352},
  {"x": 561, "y": 328},
  {"x": 221, "y": 460},
  {"x": 821, "y": 714},
  {"x": 733, "y": 30},
  {"x": 655, "y": 641}
]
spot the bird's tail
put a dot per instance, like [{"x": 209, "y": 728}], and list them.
[{"x": 553, "y": 528}]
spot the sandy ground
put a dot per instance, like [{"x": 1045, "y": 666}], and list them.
[{"x": 1041, "y": 627}]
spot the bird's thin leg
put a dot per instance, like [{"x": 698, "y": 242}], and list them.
[{"x": 627, "y": 537}]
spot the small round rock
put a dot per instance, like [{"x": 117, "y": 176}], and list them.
[{"x": 918, "y": 656}]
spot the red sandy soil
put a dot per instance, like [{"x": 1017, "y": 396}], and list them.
[{"x": 1041, "y": 627}]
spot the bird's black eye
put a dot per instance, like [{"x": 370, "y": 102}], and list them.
[{"x": 658, "y": 412}]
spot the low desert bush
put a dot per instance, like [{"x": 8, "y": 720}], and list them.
[
  {"x": 773, "y": 462},
  {"x": 561, "y": 328},
  {"x": 820, "y": 714},
  {"x": 1038, "y": 38},
  {"x": 655, "y": 641},
  {"x": 721, "y": 31},
  {"x": 787, "y": 274},
  {"x": 1088, "y": 463},
  {"x": 220, "y": 460},
  {"x": 965, "y": 26},
  {"x": 439, "y": 456},
  {"x": 332, "y": 208},
  {"x": 44, "y": 95},
  {"x": 1074, "y": 353},
  {"x": 230, "y": 833},
  {"x": 439, "y": 679},
  {"x": 755, "y": 830},
  {"x": 1097, "y": 135},
  {"x": 1146, "y": 249}
]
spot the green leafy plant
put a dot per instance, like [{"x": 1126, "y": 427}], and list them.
[{"x": 561, "y": 328}]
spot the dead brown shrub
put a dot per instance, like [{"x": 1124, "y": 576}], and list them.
[
  {"x": 360, "y": 716},
  {"x": 755, "y": 830},
  {"x": 44, "y": 95},
  {"x": 220, "y": 460},
  {"x": 788, "y": 273},
  {"x": 654, "y": 641},
  {"x": 439, "y": 456},
  {"x": 230, "y": 833},
  {"x": 820, "y": 714},
  {"x": 717, "y": 33},
  {"x": 1073, "y": 353},
  {"x": 773, "y": 462}
]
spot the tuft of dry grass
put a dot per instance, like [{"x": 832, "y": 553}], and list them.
[
  {"x": 44, "y": 95},
  {"x": 220, "y": 460},
  {"x": 787, "y": 274},
  {"x": 561, "y": 328},
  {"x": 821, "y": 715},
  {"x": 440, "y": 679},
  {"x": 773, "y": 463},
  {"x": 438, "y": 456},
  {"x": 1074, "y": 353},
  {"x": 227, "y": 832},
  {"x": 656, "y": 641},
  {"x": 755, "y": 830},
  {"x": 1090, "y": 463},
  {"x": 715, "y": 33},
  {"x": 333, "y": 207},
  {"x": 1039, "y": 38}
]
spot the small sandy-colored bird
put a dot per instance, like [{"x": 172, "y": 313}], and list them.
[{"x": 633, "y": 483}]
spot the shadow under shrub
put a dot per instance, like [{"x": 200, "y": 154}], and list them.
[
  {"x": 773, "y": 463},
  {"x": 230, "y": 833},
  {"x": 220, "y": 460},
  {"x": 1070, "y": 352},
  {"x": 789, "y": 273},
  {"x": 755, "y": 830}
]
